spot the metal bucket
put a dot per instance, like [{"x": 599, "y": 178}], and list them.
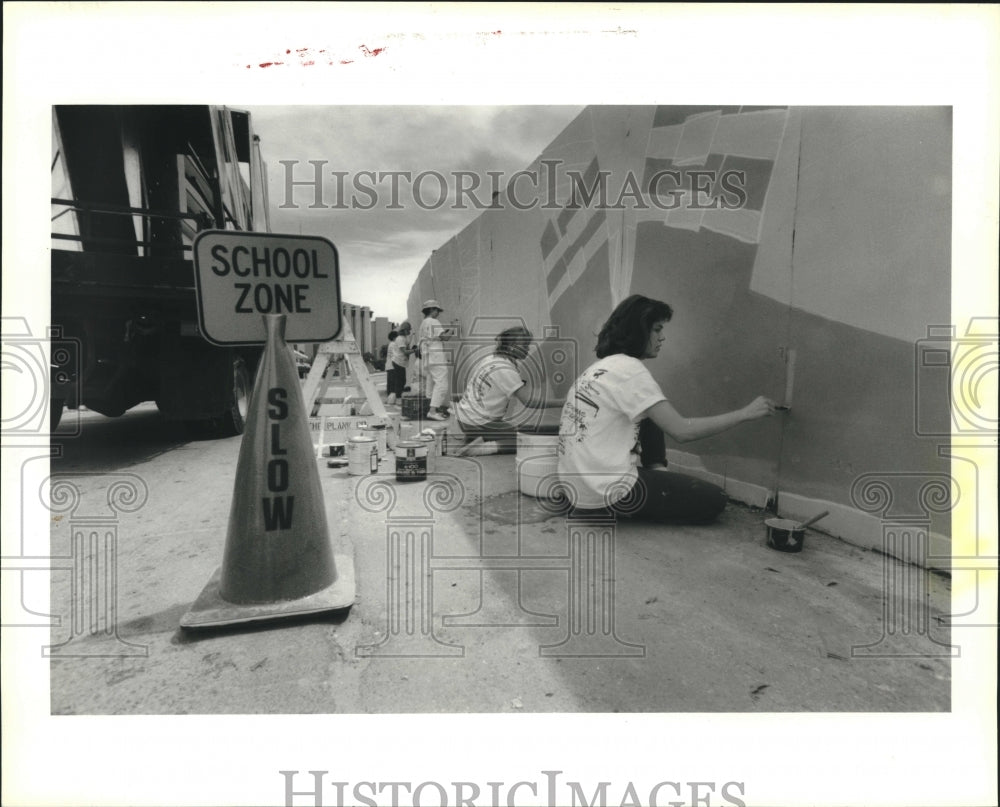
[
  {"x": 430, "y": 442},
  {"x": 786, "y": 535},
  {"x": 414, "y": 407},
  {"x": 537, "y": 460},
  {"x": 377, "y": 433},
  {"x": 362, "y": 456},
  {"x": 411, "y": 461}
]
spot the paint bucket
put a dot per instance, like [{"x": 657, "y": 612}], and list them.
[
  {"x": 391, "y": 434},
  {"x": 537, "y": 441},
  {"x": 537, "y": 476},
  {"x": 362, "y": 456},
  {"x": 440, "y": 434},
  {"x": 336, "y": 450},
  {"x": 411, "y": 461},
  {"x": 786, "y": 535},
  {"x": 429, "y": 441},
  {"x": 415, "y": 407},
  {"x": 537, "y": 460},
  {"x": 377, "y": 433}
]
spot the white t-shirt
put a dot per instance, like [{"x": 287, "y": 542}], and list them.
[
  {"x": 487, "y": 392},
  {"x": 396, "y": 353},
  {"x": 599, "y": 429},
  {"x": 431, "y": 349}
]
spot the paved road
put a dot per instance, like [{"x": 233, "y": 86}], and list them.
[{"x": 511, "y": 618}]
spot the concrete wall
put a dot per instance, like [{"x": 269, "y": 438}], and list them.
[{"x": 817, "y": 285}]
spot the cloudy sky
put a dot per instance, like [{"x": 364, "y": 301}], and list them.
[{"x": 382, "y": 250}]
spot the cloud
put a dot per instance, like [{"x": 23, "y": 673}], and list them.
[{"x": 383, "y": 248}]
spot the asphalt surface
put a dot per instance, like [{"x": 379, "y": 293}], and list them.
[{"x": 499, "y": 604}]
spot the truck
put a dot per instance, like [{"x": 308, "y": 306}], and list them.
[{"x": 132, "y": 186}]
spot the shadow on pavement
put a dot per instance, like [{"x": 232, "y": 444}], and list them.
[{"x": 108, "y": 444}]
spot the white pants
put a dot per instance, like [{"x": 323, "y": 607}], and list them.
[{"x": 436, "y": 383}]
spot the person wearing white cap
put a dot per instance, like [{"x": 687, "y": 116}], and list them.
[{"x": 434, "y": 360}]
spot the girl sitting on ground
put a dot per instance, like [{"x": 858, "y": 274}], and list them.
[{"x": 616, "y": 409}]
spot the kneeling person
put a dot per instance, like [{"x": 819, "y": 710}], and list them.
[{"x": 493, "y": 383}]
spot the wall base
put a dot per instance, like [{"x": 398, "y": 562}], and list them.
[{"x": 846, "y": 523}]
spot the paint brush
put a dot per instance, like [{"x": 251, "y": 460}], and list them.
[{"x": 789, "y": 380}]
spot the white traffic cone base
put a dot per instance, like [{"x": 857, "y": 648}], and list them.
[{"x": 211, "y": 611}]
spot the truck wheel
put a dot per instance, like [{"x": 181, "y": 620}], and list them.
[{"x": 235, "y": 419}]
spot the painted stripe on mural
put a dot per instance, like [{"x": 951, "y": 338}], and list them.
[
  {"x": 741, "y": 152},
  {"x": 575, "y": 232},
  {"x": 581, "y": 263},
  {"x": 562, "y": 264},
  {"x": 750, "y": 134},
  {"x": 681, "y": 140},
  {"x": 696, "y": 139}
]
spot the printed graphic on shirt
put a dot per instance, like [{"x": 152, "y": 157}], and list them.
[
  {"x": 489, "y": 389},
  {"x": 599, "y": 428}
]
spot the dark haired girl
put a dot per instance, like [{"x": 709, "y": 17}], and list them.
[{"x": 616, "y": 406}]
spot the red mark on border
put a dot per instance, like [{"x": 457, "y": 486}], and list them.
[{"x": 307, "y": 57}]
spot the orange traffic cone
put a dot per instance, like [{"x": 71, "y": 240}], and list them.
[{"x": 278, "y": 561}]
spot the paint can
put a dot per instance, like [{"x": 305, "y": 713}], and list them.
[
  {"x": 362, "y": 456},
  {"x": 391, "y": 434},
  {"x": 377, "y": 433},
  {"x": 336, "y": 450},
  {"x": 411, "y": 461},
  {"x": 539, "y": 441},
  {"x": 537, "y": 460},
  {"x": 429, "y": 441},
  {"x": 414, "y": 407},
  {"x": 786, "y": 535}
]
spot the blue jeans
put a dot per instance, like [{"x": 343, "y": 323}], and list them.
[{"x": 662, "y": 496}]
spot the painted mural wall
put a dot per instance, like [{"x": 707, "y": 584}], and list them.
[{"x": 804, "y": 250}]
